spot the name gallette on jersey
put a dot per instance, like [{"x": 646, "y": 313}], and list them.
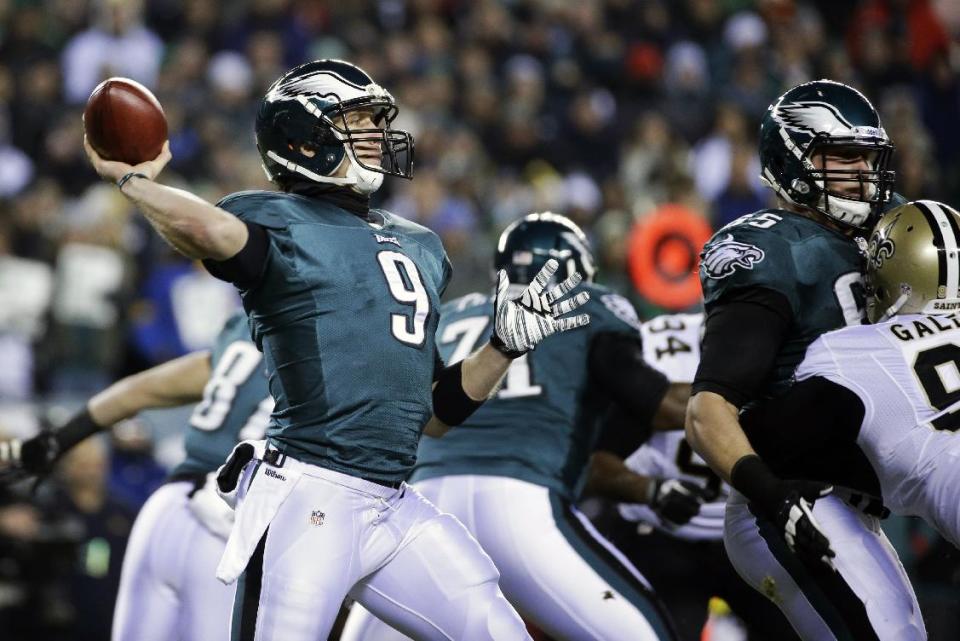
[{"x": 926, "y": 326}]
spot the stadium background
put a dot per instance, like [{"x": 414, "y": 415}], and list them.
[{"x": 625, "y": 115}]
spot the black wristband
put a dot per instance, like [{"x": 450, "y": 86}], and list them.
[
  {"x": 450, "y": 402},
  {"x": 500, "y": 347},
  {"x": 127, "y": 176},
  {"x": 752, "y": 477},
  {"x": 76, "y": 429}
]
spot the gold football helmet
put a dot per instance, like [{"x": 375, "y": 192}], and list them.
[{"x": 913, "y": 261}]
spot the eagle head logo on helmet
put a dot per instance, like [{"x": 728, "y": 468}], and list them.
[
  {"x": 722, "y": 258},
  {"x": 303, "y": 129},
  {"x": 798, "y": 133}
]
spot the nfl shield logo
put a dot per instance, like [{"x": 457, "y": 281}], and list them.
[{"x": 316, "y": 518}]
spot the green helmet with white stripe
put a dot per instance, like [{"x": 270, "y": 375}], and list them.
[
  {"x": 819, "y": 118},
  {"x": 303, "y": 133},
  {"x": 913, "y": 261}
]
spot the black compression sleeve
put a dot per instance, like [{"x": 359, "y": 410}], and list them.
[
  {"x": 450, "y": 402},
  {"x": 246, "y": 267},
  {"x": 743, "y": 335},
  {"x": 617, "y": 366},
  {"x": 811, "y": 432},
  {"x": 79, "y": 427},
  {"x": 621, "y": 434},
  {"x": 41, "y": 451}
]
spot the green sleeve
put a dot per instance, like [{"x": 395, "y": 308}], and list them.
[{"x": 260, "y": 207}]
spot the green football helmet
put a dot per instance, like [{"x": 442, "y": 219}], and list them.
[
  {"x": 913, "y": 261},
  {"x": 308, "y": 107},
  {"x": 818, "y": 118},
  {"x": 527, "y": 244}
]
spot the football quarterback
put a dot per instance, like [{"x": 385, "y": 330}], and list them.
[{"x": 343, "y": 300}]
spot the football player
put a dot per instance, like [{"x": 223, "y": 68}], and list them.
[
  {"x": 773, "y": 281},
  {"x": 876, "y": 407},
  {"x": 512, "y": 471},
  {"x": 343, "y": 300},
  {"x": 687, "y": 562},
  {"x": 168, "y": 587}
]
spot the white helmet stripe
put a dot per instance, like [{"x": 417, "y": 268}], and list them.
[{"x": 947, "y": 228}]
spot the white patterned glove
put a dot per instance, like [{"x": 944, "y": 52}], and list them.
[{"x": 520, "y": 324}]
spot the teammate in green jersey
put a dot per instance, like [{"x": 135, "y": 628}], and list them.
[
  {"x": 168, "y": 587},
  {"x": 774, "y": 281},
  {"x": 343, "y": 300}
]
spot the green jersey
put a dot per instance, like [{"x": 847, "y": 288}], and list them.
[
  {"x": 542, "y": 425},
  {"x": 345, "y": 313},
  {"x": 816, "y": 269},
  {"x": 236, "y": 404}
]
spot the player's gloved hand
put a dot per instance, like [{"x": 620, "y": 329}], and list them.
[
  {"x": 32, "y": 458},
  {"x": 789, "y": 505},
  {"x": 675, "y": 501},
  {"x": 521, "y": 323},
  {"x": 36, "y": 456},
  {"x": 800, "y": 529}
]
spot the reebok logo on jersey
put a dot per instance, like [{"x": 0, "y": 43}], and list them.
[
  {"x": 317, "y": 517},
  {"x": 387, "y": 239},
  {"x": 721, "y": 258},
  {"x": 276, "y": 475}
]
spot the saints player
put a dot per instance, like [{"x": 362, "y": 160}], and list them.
[
  {"x": 875, "y": 408},
  {"x": 343, "y": 301},
  {"x": 512, "y": 471},
  {"x": 773, "y": 281},
  {"x": 168, "y": 588}
]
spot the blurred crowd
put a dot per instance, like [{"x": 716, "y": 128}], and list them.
[{"x": 609, "y": 111}]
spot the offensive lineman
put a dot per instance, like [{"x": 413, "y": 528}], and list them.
[
  {"x": 513, "y": 470},
  {"x": 876, "y": 407},
  {"x": 343, "y": 301},
  {"x": 773, "y": 281},
  {"x": 687, "y": 562},
  {"x": 168, "y": 588}
]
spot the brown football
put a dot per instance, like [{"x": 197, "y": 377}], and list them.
[{"x": 124, "y": 121}]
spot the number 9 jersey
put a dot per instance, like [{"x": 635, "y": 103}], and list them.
[
  {"x": 345, "y": 311},
  {"x": 671, "y": 343}
]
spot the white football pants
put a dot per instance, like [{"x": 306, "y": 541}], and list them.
[
  {"x": 868, "y": 598},
  {"x": 168, "y": 586},
  {"x": 389, "y": 549},
  {"x": 554, "y": 566}
]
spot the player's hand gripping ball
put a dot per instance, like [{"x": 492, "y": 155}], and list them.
[
  {"x": 124, "y": 122},
  {"x": 125, "y": 131}
]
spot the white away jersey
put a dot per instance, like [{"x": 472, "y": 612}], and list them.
[
  {"x": 906, "y": 372},
  {"x": 671, "y": 343}
]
